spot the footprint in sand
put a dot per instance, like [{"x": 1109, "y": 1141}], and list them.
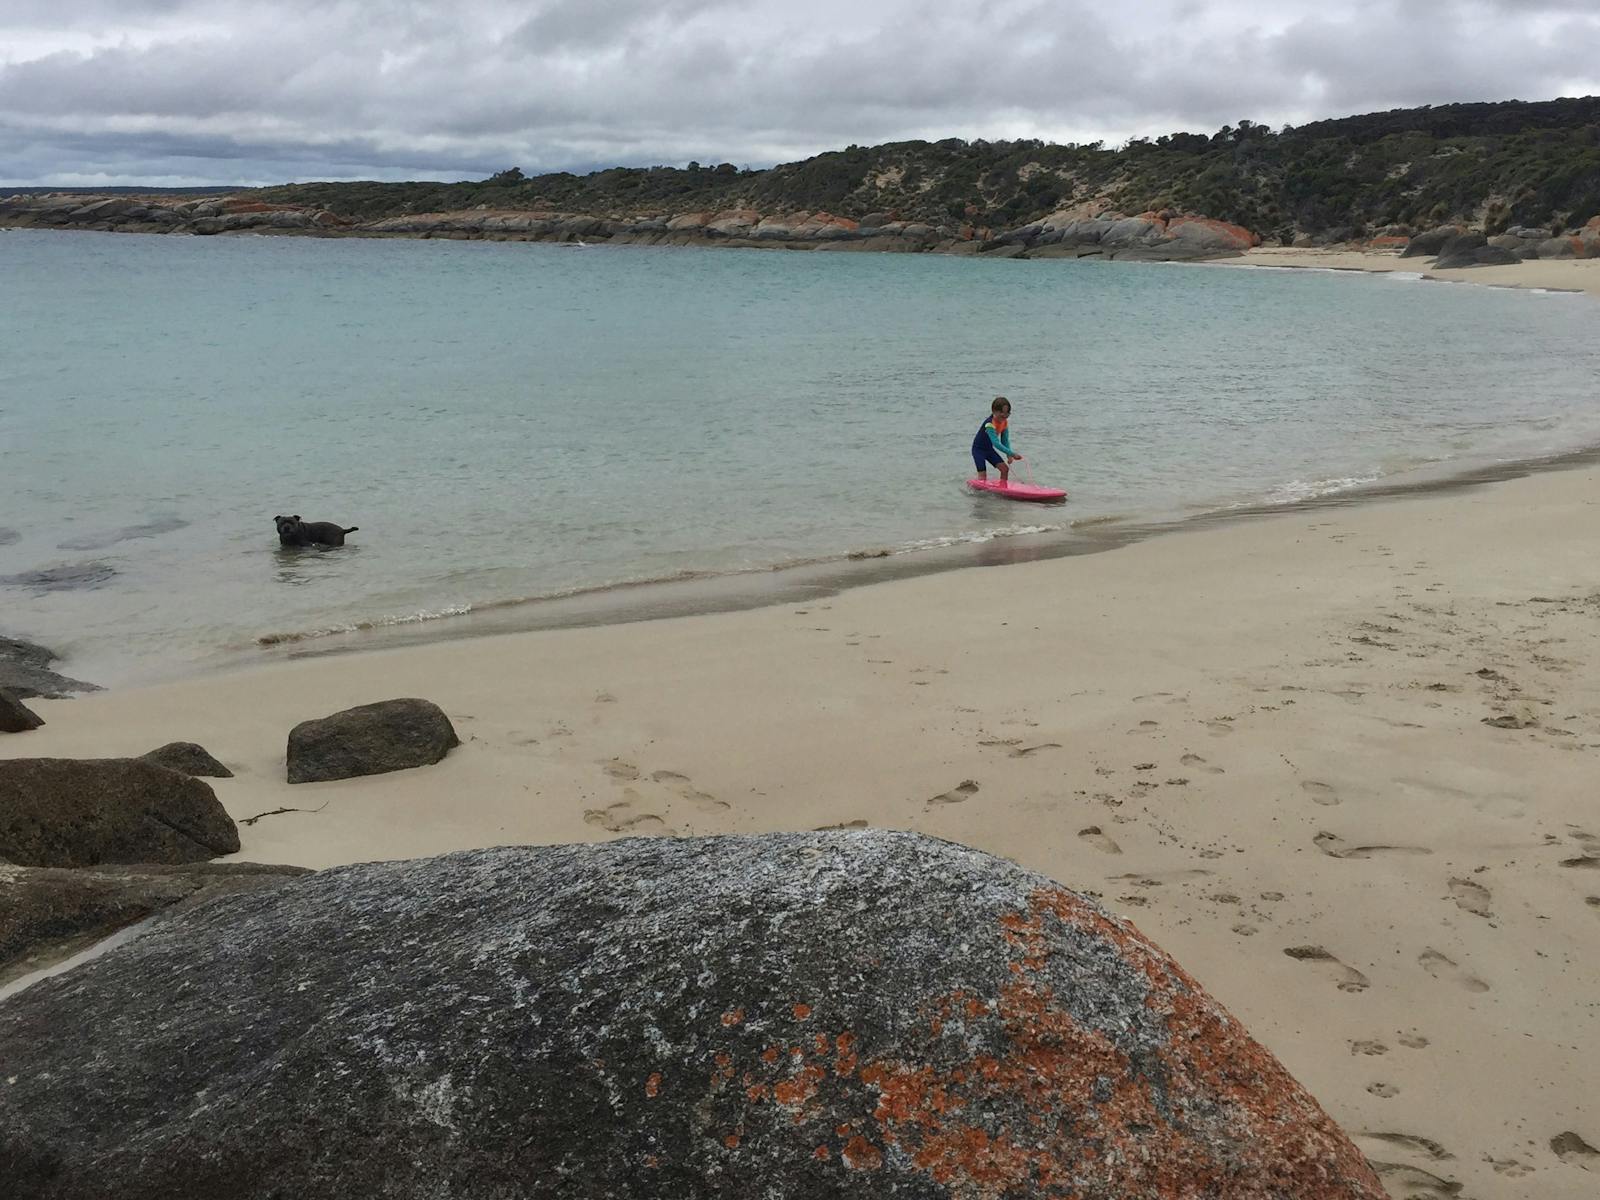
[
  {"x": 1440, "y": 967},
  {"x": 1573, "y": 1150},
  {"x": 1348, "y": 978},
  {"x": 1593, "y": 902},
  {"x": 1508, "y": 1166},
  {"x": 622, "y": 818},
  {"x": 1412, "y": 1040},
  {"x": 1413, "y": 1182},
  {"x": 1099, "y": 840},
  {"x": 1368, "y": 1047},
  {"x": 684, "y": 788},
  {"x": 1470, "y": 897},
  {"x": 1158, "y": 878},
  {"x": 1415, "y": 1143},
  {"x": 1194, "y": 760},
  {"x": 1220, "y": 727},
  {"x": 623, "y": 772},
  {"x": 1385, "y": 1091},
  {"x": 858, "y": 823},
  {"x": 1322, "y": 793},
  {"x": 1335, "y": 846},
  {"x": 1025, "y": 751},
  {"x": 963, "y": 791}
]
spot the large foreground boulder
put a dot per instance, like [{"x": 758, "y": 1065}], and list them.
[
  {"x": 859, "y": 1014},
  {"x": 392, "y": 735},
  {"x": 50, "y": 913},
  {"x": 71, "y": 812}
]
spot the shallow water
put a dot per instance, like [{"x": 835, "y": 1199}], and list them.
[{"x": 511, "y": 420}]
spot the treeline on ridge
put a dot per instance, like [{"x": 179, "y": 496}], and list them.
[{"x": 1491, "y": 165}]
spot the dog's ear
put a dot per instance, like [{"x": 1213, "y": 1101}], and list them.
[{"x": 296, "y": 517}]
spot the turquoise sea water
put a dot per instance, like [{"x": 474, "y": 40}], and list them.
[{"x": 507, "y": 420}]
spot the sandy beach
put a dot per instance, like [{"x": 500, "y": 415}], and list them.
[
  {"x": 1339, "y": 761},
  {"x": 1564, "y": 274}
]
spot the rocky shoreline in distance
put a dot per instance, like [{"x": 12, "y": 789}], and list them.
[{"x": 1078, "y": 233}]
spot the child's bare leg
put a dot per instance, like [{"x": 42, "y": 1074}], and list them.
[{"x": 1005, "y": 472}]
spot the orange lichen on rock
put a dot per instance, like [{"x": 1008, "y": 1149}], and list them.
[
  {"x": 861, "y": 1155},
  {"x": 802, "y": 1011},
  {"x": 1058, "y": 1076},
  {"x": 652, "y": 1086},
  {"x": 733, "y": 1018},
  {"x": 795, "y": 1091}
]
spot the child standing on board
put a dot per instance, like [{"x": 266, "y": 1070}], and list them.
[{"x": 992, "y": 446}]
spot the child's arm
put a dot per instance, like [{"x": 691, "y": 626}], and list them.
[{"x": 1000, "y": 441}]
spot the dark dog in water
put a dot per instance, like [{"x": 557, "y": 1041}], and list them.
[{"x": 292, "y": 531}]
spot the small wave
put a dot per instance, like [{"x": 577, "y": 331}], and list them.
[
  {"x": 1091, "y": 522},
  {"x": 976, "y": 537},
  {"x": 305, "y": 635},
  {"x": 1296, "y": 490},
  {"x": 7, "y": 536},
  {"x": 1404, "y": 276}
]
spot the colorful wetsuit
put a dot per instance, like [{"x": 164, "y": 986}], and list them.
[{"x": 993, "y": 443}]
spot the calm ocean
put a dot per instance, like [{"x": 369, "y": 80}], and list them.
[{"x": 509, "y": 421}]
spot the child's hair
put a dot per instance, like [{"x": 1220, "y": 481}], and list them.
[{"x": 999, "y": 403}]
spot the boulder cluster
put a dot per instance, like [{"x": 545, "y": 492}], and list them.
[{"x": 143, "y": 831}]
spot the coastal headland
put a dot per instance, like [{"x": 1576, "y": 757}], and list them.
[{"x": 1338, "y": 762}]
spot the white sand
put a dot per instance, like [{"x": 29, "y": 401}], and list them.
[
  {"x": 1566, "y": 274},
  {"x": 1250, "y": 739}
]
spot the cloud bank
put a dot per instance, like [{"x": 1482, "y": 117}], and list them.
[{"x": 169, "y": 92}]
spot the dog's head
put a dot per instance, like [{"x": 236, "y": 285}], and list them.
[{"x": 288, "y": 527}]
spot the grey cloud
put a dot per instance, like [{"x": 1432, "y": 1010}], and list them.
[{"x": 369, "y": 88}]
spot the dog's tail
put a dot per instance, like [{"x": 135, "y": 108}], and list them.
[{"x": 352, "y": 529}]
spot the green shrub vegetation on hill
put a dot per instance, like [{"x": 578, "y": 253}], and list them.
[{"x": 1489, "y": 165}]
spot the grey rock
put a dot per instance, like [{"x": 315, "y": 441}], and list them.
[
  {"x": 15, "y": 716},
  {"x": 1493, "y": 256},
  {"x": 25, "y": 672},
  {"x": 1429, "y": 241},
  {"x": 1460, "y": 251},
  {"x": 1557, "y": 248},
  {"x": 187, "y": 758},
  {"x": 842, "y": 1015},
  {"x": 48, "y": 914},
  {"x": 392, "y": 735},
  {"x": 69, "y": 812}
]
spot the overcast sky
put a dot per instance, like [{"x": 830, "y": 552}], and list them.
[{"x": 176, "y": 92}]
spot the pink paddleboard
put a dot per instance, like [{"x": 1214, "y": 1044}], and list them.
[{"x": 1018, "y": 491}]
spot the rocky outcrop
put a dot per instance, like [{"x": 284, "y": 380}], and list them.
[
  {"x": 1163, "y": 236},
  {"x": 15, "y": 716},
  {"x": 392, "y": 735},
  {"x": 48, "y": 914},
  {"x": 1150, "y": 235},
  {"x": 25, "y": 672},
  {"x": 187, "y": 758},
  {"x": 68, "y": 812},
  {"x": 846, "y": 1015}
]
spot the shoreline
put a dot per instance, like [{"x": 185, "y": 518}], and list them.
[
  {"x": 710, "y": 593},
  {"x": 1576, "y": 275},
  {"x": 1269, "y": 744}
]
